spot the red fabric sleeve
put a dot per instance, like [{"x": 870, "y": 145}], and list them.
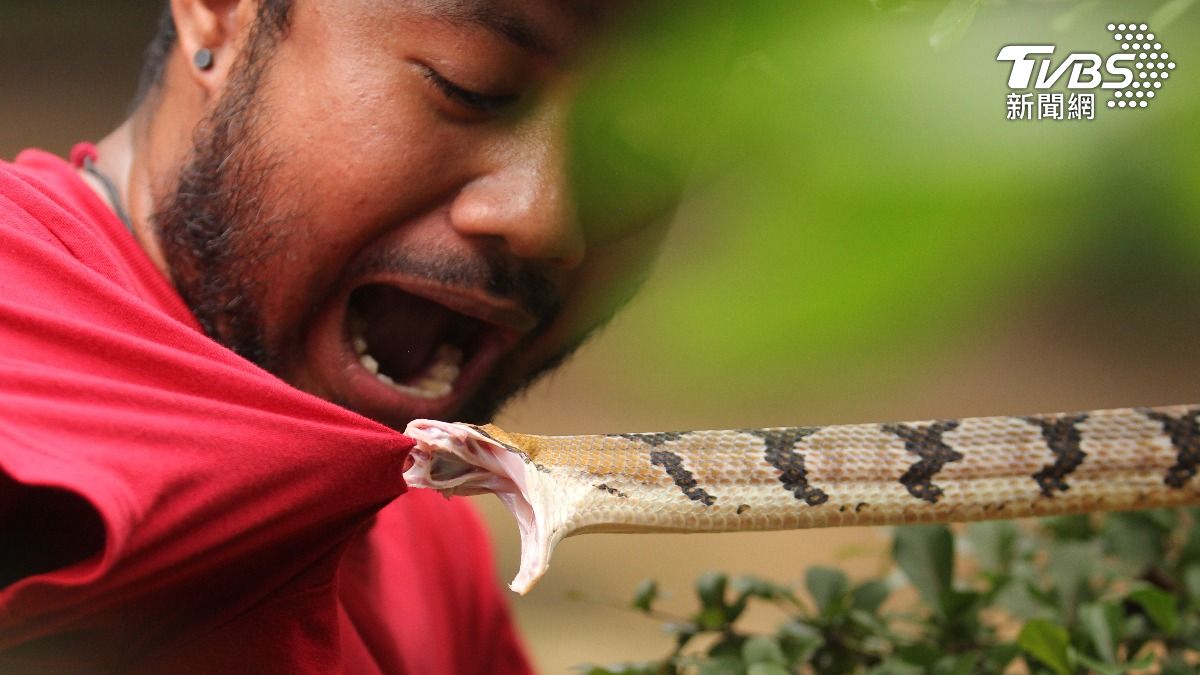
[
  {"x": 219, "y": 489},
  {"x": 437, "y": 612}
]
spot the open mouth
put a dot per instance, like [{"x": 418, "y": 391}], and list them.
[{"x": 413, "y": 345}]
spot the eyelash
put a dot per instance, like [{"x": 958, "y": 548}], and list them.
[{"x": 467, "y": 98}]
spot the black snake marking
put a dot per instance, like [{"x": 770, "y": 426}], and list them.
[
  {"x": 1185, "y": 436},
  {"x": 781, "y": 453},
  {"x": 656, "y": 439},
  {"x": 1063, "y": 437},
  {"x": 683, "y": 478},
  {"x": 605, "y": 487},
  {"x": 925, "y": 442}
]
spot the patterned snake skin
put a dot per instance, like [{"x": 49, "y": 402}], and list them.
[{"x": 802, "y": 477}]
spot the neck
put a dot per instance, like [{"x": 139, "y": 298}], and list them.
[{"x": 117, "y": 159}]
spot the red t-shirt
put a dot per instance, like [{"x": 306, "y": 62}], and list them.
[{"x": 221, "y": 520}]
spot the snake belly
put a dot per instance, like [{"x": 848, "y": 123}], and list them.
[{"x": 804, "y": 477}]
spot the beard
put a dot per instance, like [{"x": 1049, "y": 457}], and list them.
[{"x": 225, "y": 222}]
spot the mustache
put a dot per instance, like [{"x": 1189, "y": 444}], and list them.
[{"x": 499, "y": 276}]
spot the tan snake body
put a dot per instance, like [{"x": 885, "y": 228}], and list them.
[{"x": 804, "y": 477}]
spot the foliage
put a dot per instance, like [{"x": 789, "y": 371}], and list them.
[
  {"x": 1104, "y": 594},
  {"x": 871, "y": 182}
]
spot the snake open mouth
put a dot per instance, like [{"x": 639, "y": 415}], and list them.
[
  {"x": 414, "y": 345},
  {"x": 458, "y": 459}
]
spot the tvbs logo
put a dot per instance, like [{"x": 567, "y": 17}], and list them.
[
  {"x": 1084, "y": 69},
  {"x": 1134, "y": 74}
]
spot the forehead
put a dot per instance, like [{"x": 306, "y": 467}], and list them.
[{"x": 548, "y": 27}]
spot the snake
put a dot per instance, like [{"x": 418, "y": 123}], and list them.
[{"x": 933, "y": 471}]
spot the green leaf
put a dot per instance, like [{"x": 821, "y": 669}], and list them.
[
  {"x": 994, "y": 544},
  {"x": 1191, "y": 582},
  {"x": 1190, "y": 551},
  {"x": 728, "y": 646},
  {"x": 799, "y": 641},
  {"x": 767, "y": 669},
  {"x": 762, "y": 649},
  {"x": 1142, "y": 662},
  {"x": 919, "y": 654},
  {"x": 828, "y": 586},
  {"x": 1018, "y": 600},
  {"x": 1099, "y": 667},
  {"x": 999, "y": 656},
  {"x": 1070, "y": 527},
  {"x": 1167, "y": 12},
  {"x": 959, "y": 605},
  {"x": 926, "y": 555},
  {"x": 710, "y": 588},
  {"x": 645, "y": 595},
  {"x": 869, "y": 623},
  {"x": 1101, "y": 623},
  {"x": 869, "y": 595},
  {"x": 1160, "y": 606},
  {"x": 951, "y": 25},
  {"x": 711, "y": 618},
  {"x": 1046, "y": 642},
  {"x": 1137, "y": 538},
  {"x": 894, "y": 666},
  {"x": 753, "y": 587},
  {"x": 1071, "y": 564},
  {"x": 957, "y": 664},
  {"x": 723, "y": 665}
]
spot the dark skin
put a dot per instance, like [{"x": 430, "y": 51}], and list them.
[{"x": 393, "y": 171}]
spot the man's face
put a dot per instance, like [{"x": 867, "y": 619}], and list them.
[{"x": 377, "y": 209}]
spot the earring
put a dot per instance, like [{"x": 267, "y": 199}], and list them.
[{"x": 203, "y": 58}]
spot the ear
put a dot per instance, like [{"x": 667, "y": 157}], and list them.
[{"x": 221, "y": 26}]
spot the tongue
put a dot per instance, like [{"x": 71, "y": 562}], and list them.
[{"x": 402, "y": 330}]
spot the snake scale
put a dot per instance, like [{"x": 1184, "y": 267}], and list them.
[{"x": 804, "y": 477}]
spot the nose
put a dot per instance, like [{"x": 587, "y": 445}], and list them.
[{"x": 523, "y": 198}]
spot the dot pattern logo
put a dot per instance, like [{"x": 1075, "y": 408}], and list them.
[{"x": 1153, "y": 65}]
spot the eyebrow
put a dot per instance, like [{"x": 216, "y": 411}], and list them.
[{"x": 513, "y": 27}]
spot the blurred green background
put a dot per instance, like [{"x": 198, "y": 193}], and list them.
[{"x": 866, "y": 238}]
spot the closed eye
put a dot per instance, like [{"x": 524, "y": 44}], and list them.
[{"x": 473, "y": 100}]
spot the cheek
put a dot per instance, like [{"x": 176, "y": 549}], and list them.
[{"x": 361, "y": 148}]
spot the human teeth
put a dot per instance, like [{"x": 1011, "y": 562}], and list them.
[
  {"x": 360, "y": 345},
  {"x": 446, "y": 367},
  {"x": 427, "y": 389},
  {"x": 437, "y": 380}
]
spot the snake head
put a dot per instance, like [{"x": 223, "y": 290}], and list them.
[{"x": 460, "y": 459}]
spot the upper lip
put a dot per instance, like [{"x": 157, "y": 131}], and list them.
[{"x": 475, "y": 303}]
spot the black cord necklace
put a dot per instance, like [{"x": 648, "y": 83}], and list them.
[{"x": 111, "y": 191}]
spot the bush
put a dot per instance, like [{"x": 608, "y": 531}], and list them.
[{"x": 1068, "y": 595}]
